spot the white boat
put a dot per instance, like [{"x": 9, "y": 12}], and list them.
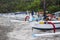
[
  {"x": 16, "y": 17},
  {"x": 46, "y": 26}
]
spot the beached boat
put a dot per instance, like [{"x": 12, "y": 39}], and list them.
[{"x": 46, "y": 26}]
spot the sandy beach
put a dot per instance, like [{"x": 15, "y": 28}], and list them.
[{"x": 17, "y": 31}]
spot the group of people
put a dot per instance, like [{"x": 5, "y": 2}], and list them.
[{"x": 39, "y": 16}]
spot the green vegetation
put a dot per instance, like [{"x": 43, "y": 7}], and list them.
[{"x": 23, "y": 5}]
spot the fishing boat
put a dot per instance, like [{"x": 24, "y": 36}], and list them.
[{"x": 45, "y": 26}]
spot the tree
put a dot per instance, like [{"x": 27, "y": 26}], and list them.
[
  {"x": 23, "y": 5},
  {"x": 53, "y": 9}
]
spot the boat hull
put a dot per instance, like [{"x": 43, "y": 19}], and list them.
[{"x": 46, "y": 26}]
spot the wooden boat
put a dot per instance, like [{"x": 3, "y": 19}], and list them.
[{"x": 47, "y": 26}]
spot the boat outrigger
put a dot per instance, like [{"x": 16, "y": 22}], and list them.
[{"x": 45, "y": 25}]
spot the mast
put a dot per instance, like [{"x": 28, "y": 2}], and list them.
[{"x": 44, "y": 8}]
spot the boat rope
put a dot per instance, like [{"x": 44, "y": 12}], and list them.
[
  {"x": 54, "y": 28},
  {"x": 26, "y": 18}
]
